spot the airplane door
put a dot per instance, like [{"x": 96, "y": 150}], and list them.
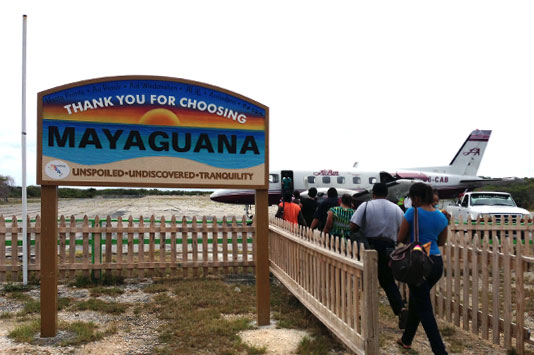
[{"x": 288, "y": 174}]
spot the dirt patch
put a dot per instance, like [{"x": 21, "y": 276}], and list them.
[{"x": 275, "y": 341}]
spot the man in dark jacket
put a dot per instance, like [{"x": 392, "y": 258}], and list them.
[
  {"x": 319, "y": 217},
  {"x": 309, "y": 205}
]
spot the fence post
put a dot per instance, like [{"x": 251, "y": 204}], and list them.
[
  {"x": 2, "y": 246},
  {"x": 14, "y": 248},
  {"x": 370, "y": 289},
  {"x": 97, "y": 274},
  {"x": 520, "y": 294},
  {"x": 93, "y": 247}
]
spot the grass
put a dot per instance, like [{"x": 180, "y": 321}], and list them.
[
  {"x": 32, "y": 306},
  {"x": 191, "y": 315},
  {"x": 100, "y": 306},
  {"x": 83, "y": 281},
  {"x": 194, "y": 308},
  {"x": 108, "y": 291},
  {"x": 252, "y": 350},
  {"x": 312, "y": 346},
  {"x": 156, "y": 288},
  {"x": 80, "y": 332},
  {"x": 15, "y": 287},
  {"x": 25, "y": 333},
  {"x": 18, "y": 296},
  {"x": 6, "y": 315},
  {"x": 63, "y": 303},
  {"x": 455, "y": 345},
  {"x": 290, "y": 313},
  {"x": 84, "y": 332}
]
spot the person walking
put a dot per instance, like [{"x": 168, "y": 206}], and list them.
[
  {"x": 319, "y": 217},
  {"x": 433, "y": 229},
  {"x": 290, "y": 211},
  {"x": 309, "y": 205},
  {"x": 338, "y": 218},
  {"x": 381, "y": 220},
  {"x": 296, "y": 198},
  {"x": 287, "y": 185}
]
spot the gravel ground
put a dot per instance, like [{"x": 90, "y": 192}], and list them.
[
  {"x": 158, "y": 206},
  {"x": 137, "y": 334}
]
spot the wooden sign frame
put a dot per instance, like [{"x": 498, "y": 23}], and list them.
[
  {"x": 49, "y": 190},
  {"x": 219, "y": 112}
]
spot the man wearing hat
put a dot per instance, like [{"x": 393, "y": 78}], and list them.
[{"x": 379, "y": 221}]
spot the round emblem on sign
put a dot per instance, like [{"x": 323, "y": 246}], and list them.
[{"x": 57, "y": 169}]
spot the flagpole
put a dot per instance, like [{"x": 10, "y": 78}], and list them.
[{"x": 24, "y": 197}]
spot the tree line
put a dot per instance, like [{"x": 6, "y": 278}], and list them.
[
  {"x": 8, "y": 190},
  {"x": 522, "y": 190}
]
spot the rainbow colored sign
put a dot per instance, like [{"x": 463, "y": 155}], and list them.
[{"x": 150, "y": 131}]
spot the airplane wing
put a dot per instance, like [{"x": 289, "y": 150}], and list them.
[
  {"x": 480, "y": 181},
  {"x": 400, "y": 188},
  {"x": 396, "y": 190},
  {"x": 322, "y": 192}
]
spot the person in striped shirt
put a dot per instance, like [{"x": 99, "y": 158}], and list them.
[{"x": 338, "y": 218}]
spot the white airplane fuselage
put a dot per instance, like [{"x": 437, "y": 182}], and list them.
[
  {"x": 448, "y": 185},
  {"x": 450, "y": 180}
]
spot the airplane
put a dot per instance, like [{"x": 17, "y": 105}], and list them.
[{"x": 449, "y": 180}]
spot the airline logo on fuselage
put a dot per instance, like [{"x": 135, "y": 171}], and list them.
[{"x": 326, "y": 172}]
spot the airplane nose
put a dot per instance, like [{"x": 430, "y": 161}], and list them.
[{"x": 216, "y": 196}]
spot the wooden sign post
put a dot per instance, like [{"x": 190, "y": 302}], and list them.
[
  {"x": 262, "y": 258},
  {"x": 146, "y": 131},
  {"x": 49, "y": 258}
]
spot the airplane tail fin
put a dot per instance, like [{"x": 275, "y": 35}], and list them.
[{"x": 467, "y": 160}]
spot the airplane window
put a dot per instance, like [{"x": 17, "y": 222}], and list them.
[
  {"x": 356, "y": 180},
  {"x": 326, "y": 179},
  {"x": 311, "y": 179},
  {"x": 273, "y": 178},
  {"x": 340, "y": 180},
  {"x": 372, "y": 180}
]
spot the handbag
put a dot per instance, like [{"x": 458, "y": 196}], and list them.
[
  {"x": 280, "y": 211},
  {"x": 411, "y": 263},
  {"x": 359, "y": 236}
]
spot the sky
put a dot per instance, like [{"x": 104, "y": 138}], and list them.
[{"x": 388, "y": 84}]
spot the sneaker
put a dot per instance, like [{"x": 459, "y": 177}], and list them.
[{"x": 403, "y": 318}]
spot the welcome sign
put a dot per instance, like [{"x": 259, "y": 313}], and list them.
[{"x": 150, "y": 131}]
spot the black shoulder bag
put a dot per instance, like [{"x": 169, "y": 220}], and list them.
[
  {"x": 280, "y": 212},
  {"x": 359, "y": 236},
  {"x": 410, "y": 263}
]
